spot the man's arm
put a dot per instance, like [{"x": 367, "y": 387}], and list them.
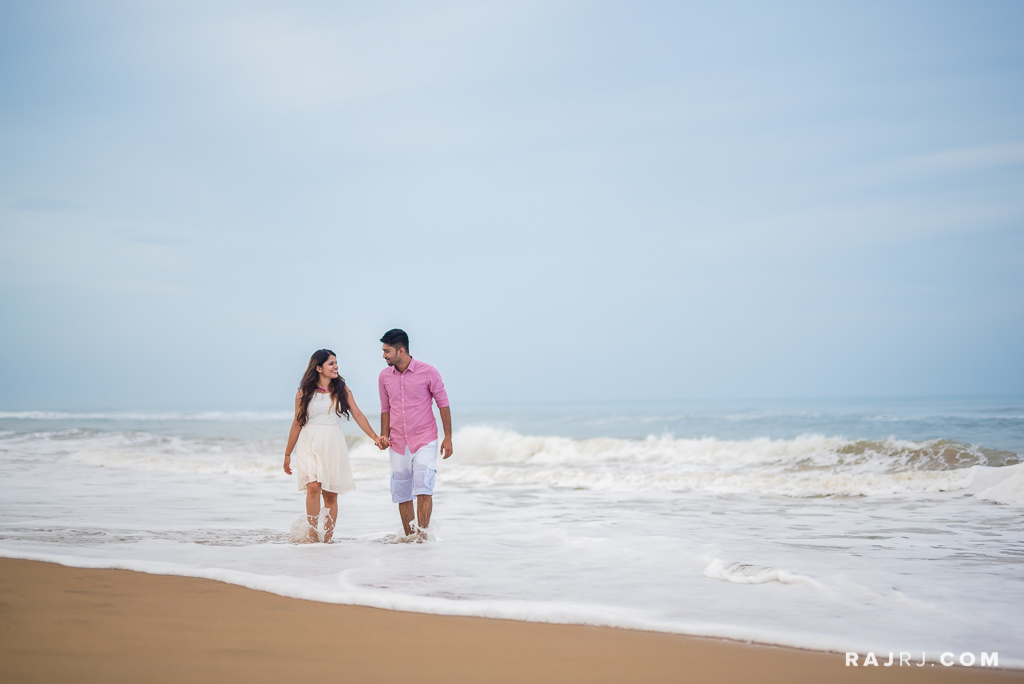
[
  {"x": 385, "y": 427},
  {"x": 385, "y": 411},
  {"x": 446, "y": 423},
  {"x": 436, "y": 387}
]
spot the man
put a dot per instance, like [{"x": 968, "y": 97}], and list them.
[{"x": 407, "y": 388}]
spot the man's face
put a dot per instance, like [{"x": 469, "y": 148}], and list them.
[{"x": 390, "y": 354}]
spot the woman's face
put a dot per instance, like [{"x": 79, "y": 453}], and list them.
[{"x": 330, "y": 368}]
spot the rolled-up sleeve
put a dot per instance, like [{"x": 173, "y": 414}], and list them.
[{"x": 437, "y": 389}]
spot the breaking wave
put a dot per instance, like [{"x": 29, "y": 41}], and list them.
[{"x": 807, "y": 466}]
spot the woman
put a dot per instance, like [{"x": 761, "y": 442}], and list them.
[{"x": 321, "y": 455}]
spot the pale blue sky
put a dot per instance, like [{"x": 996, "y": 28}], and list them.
[{"x": 557, "y": 200}]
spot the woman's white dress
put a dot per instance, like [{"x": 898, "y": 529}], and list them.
[{"x": 321, "y": 454}]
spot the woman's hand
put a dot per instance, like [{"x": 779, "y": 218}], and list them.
[{"x": 288, "y": 464}]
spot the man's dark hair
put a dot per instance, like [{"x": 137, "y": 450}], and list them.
[{"x": 396, "y": 338}]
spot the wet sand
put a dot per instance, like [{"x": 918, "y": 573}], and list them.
[{"x": 82, "y": 625}]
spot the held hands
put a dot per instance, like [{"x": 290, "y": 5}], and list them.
[{"x": 382, "y": 442}]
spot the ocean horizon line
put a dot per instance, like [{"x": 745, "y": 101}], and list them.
[{"x": 513, "y": 404}]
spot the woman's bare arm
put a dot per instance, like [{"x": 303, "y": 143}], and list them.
[
  {"x": 293, "y": 435},
  {"x": 360, "y": 419}
]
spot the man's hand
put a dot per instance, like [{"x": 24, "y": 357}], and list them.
[{"x": 446, "y": 447}]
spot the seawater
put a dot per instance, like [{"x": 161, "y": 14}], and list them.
[{"x": 868, "y": 525}]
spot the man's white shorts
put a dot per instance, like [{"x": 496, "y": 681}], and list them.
[{"x": 412, "y": 474}]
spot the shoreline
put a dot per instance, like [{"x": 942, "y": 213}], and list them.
[{"x": 102, "y": 625}]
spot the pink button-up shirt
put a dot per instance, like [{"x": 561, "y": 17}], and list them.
[{"x": 407, "y": 396}]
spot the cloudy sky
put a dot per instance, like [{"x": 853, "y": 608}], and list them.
[{"x": 557, "y": 200}]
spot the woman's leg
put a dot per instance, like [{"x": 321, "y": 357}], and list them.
[
  {"x": 312, "y": 508},
  {"x": 331, "y": 502}
]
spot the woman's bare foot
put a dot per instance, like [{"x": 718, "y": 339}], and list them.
[{"x": 311, "y": 535}]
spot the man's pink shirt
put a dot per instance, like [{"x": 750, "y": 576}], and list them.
[{"x": 407, "y": 396}]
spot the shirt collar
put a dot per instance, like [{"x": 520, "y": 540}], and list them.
[{"x": 411, "y": 368}]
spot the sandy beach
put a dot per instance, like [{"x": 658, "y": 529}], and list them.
[{"x": 83, "y": 625}]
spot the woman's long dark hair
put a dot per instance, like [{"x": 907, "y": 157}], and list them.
[{"x": 310, "y": 379}]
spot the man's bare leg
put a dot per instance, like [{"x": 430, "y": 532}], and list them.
[
  {"x": 312, "y": 508},
  {"x": 331, "y": 501},
  {"x": 424, "y": 507},
  {"x": 405, "y": 509}
]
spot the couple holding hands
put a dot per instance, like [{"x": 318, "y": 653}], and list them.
[{"x": 407, "y": 429}]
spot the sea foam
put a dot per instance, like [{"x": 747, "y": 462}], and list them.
[
  {"x": 753, "y": 525},
  {"x": 806, "y": 466}
]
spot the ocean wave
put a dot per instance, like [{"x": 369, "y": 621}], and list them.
[
  {"x": 186, "y": 416},
  {"x": 244, "y": 459},
  {"x": 807, "y": 466},
  {"x": 802, "y": 485},
  {"x": 1001, "y": 485},
  {"x": 486, "y": 445}
]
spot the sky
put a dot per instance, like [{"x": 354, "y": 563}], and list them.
[{"x": 557, "y": 200}]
